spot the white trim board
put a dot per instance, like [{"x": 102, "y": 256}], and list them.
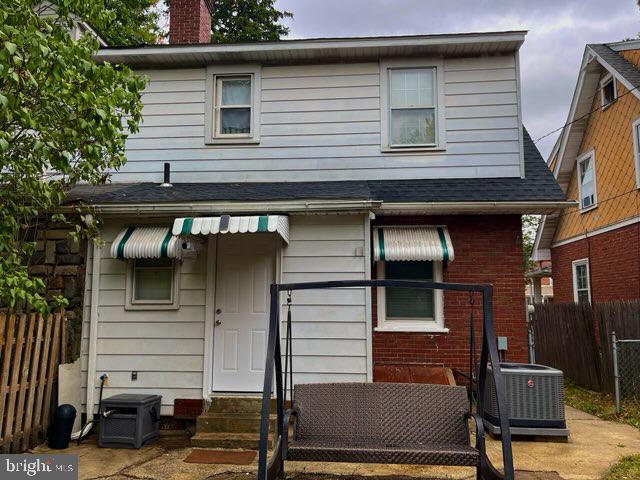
[{"x": 593, "y": 233}]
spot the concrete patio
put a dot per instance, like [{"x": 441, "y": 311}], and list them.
[{"x": 595, "y": 445}]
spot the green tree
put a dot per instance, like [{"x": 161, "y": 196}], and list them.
[
  {"x": 247, "y": 21},
  {"x": 130, "y": 22},
  {"x": 529, "y": 228},
  {"x": 63, "y": 120}
]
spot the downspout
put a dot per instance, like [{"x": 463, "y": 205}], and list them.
[{"x": 93, "y": 328}]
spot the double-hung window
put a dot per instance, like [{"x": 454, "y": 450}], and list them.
[
  {"x": 608, "y": 91},
  {"x": 232, "y": 104},
  {"x": 581, "y": 288},
  {"x": 411, "y": 106},
  {"x": 635, "y": 131},
  {"x": 587, "y": 181}
]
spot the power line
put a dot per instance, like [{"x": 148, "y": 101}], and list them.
[{"x": 583, "y": 116}]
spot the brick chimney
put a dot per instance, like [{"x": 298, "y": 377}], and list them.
[{"x": 190, "y": 21}]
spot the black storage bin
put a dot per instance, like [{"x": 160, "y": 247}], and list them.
[
  {"x": 61, "y": 427},
  {"x": 129, "y": 420}
]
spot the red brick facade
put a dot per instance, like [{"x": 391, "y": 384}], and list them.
[
  {"x": 614, "y": 265},
  {"x": 488, "y": 249},
  {"x": 189, "y": 22}
]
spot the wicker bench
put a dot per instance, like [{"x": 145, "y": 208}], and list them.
[{"x": 382, "y": 423}]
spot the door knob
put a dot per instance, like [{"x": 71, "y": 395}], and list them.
[{"x": 218, "y": 323}]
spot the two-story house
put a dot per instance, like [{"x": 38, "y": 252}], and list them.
[
  {"x": 594, "y": 246},
  {"x": 299, "y": 160}
]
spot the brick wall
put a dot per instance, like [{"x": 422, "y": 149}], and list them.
[
  {"x": 614, "y": 265},
  {"x": 488, "y": 249}
]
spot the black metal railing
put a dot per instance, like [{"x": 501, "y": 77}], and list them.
[{"x": 270, "y": 468}]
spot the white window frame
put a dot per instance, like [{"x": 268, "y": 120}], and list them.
[
  {"x": 215, "y": 73},
  {"x": 172, "y": 304},
  {"x": 577, "y": 263},
  {"x": 411, "y": 324},
  {"x": 605, "y": 80},
  {"x": 635, "y": 126},
  {"x": 385, "y": 101},
  {"x": 591, "y": 154}
]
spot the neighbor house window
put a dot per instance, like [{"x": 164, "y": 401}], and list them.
[
  {"x": 608, "y": 91},
  {"x": 412, "y": 113},
  {"x": 232, "y": 105},
  {"x": 408, "y": 309},
  {"x": 581, "y": 289},
  {"x": 635, "y": 131},
  {"x": 153, "y": 282},
  {"x": 587, "y": 181}
]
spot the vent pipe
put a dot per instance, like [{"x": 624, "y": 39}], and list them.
[{"x": 167, "y": 175}]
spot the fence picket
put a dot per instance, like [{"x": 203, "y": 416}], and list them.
[
  {"x": 52, "y": 371},
  {"x": 4, "y": 376},
  {"x": 24, "y": 384},
  {"x": 42, "y": 379},
  {"x": 10, "y": 411},
  {"x": 33, "y": 376}
]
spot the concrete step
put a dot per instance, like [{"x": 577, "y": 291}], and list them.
[
  {"x": 230, "y": 422},
  {"x": 248, "y": 405},
  {"x": 245, "y": 441}
]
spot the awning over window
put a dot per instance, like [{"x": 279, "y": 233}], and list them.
[
  {"x": 231, "y": 224},
  {"x": 146, "y": 242},
  {"x": 412, "y": 243}
]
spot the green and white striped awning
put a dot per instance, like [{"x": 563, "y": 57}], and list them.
[
  {"x": 146, "y": 242},
  {"x": 232, "y": 224},
  {"x": 412, "y": 243}
]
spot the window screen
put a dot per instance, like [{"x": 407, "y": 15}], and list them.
[{"x": 409, "y": 302}]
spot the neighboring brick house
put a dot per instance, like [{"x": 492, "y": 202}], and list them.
[{"x": 594, "y": 246}]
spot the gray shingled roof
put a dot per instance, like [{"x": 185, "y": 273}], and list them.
[
  {"x": 538, "y": 185},
  {"x": 620, "y": 64}
]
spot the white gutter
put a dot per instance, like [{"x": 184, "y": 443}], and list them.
[
  {"x": 93, "y": 329},
  {"x": 310, "y": 206},
  {"x": 315, "y": 44}
]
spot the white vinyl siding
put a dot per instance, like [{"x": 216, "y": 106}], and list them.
[
  {"x": 322, "y": 122},
  {"x": 329, "y": 326},
  {"x": 165, "y": 347}
]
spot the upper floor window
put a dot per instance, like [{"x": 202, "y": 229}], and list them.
[
  {"x": 587, "y": 181},
  {"x": 412, "y": 116},
  {"x": 635, "y": 131},
  {"x": 232, "y": 104},
  {"x": 608, "y": 91},
  {"x": 581, "y": 288}
]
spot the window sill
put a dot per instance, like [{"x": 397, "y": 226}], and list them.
[
  {"x": 412, "y": 328},
  {"x": 386, "y": 149},
  {"x": 151, "y": 306},
  {"x": 232, "y": 141},
  {"x": 588, "y": 209}
]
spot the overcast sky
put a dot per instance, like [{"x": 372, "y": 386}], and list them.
[{"x": 550, "y": 57}]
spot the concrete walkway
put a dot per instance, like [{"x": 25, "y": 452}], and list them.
[{"x": 595, "y": 445}]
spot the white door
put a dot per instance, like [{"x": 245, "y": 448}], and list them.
[{"x": 245, "y": 270}]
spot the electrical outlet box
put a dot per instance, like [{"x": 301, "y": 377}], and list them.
[
  {"x": 503, "y": 345},
  {"x": 134, "y": 376}
]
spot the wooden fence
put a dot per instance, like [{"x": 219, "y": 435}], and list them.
[
  {"x": 577, "y": 338},
  {"x": 31, "y": 346}
]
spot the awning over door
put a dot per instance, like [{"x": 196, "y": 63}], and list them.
[
  {"x": 231, "y": 224},
  {"x": 412, "y": 243},
  {"x": 146, "y": 242}
]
